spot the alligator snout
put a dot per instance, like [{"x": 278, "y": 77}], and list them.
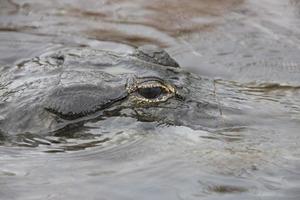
[{"x": 80, "y": 100}]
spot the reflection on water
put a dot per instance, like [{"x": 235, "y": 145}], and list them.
[{"x": 250, "y": 48}]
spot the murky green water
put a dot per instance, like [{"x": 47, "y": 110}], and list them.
[{"x": 249, "y": 48}]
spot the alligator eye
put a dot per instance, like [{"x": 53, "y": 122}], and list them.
[{"x": 150, "y": 93}]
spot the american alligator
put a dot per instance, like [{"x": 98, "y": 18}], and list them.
[{"x": 71, "y": 86}]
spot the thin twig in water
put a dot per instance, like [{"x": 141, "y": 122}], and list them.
[{"x": 216, "y": 97}]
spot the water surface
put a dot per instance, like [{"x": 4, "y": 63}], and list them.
[{"x": 249, "y": 48}]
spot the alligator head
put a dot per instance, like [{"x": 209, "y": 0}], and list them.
[{"x": 72, "y": 86}]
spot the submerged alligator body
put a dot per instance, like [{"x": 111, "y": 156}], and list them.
[{"x": 71, "y": 86}]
